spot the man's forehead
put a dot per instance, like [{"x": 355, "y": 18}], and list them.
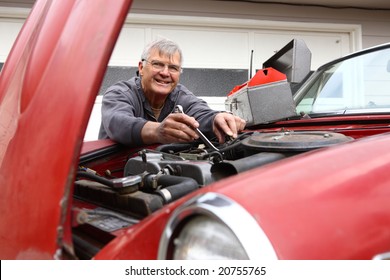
[{"x": 161, "y": 55}]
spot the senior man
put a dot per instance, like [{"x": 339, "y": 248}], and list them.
[{"x": 140, "y": 111}]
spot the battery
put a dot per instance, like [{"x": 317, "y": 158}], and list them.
[{"x": 263, "y": 99}]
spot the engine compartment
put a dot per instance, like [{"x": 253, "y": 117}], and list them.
[{"x": 151, "y": 178}]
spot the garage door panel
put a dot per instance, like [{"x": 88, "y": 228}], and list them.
[
  {"x": 209, "y": 48},
  {"x": 128, "y": 49},
  {"x": 266, "y": 44},
  {"x": 8, "y": 32}
]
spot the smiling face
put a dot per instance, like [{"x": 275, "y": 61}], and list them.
[{"x": 158, "y": 82}]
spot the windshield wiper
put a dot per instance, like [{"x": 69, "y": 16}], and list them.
[{"x": 326, "y": 114}]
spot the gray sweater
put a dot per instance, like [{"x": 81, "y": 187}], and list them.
[{"x": 125, "y": 110}]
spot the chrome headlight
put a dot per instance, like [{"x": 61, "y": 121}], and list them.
[
  {"x": 205, "y": 238},
  {"x": 212, "y": 226}
]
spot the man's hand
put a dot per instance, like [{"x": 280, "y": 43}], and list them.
[
  {"x": 227, "y": 124},
  {"x": 175, "y": 128}
]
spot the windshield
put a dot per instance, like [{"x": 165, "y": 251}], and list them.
[{"x": 357, "y": 84}]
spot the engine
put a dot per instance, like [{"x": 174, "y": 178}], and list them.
[{"x": 153, "y": 178}]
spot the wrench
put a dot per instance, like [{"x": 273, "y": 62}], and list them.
[{"x": 207, "y": 142}]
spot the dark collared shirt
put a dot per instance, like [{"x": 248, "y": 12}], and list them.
[{"x": 125, "y": 110}]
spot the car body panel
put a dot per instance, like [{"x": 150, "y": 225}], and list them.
[
  {"x": 45, "y": 77},
  {"x": 355, "y": 126},
  {"x": 320, "y": 197},
  {"x": 349, "y": 213}
]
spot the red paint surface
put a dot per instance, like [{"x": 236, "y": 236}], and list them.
[{"x": 48, "y": 87}]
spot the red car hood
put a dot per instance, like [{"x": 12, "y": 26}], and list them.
[{"x": 47, "y": 90}]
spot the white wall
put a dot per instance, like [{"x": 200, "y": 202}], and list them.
[
  {"x": 227, "y": 43},
  {"x": 375, "y": 24},
  {"x": 9, "y": 29}
]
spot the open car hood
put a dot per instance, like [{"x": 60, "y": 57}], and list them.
[{"x": 48, "y": 87}]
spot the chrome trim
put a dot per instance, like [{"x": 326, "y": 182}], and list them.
[
  {"x": 252, "y": 238},
  {"x": 167, "y": 194},
  {"x": 126, "y": 181},
  {"x": 383, "y": 256}
]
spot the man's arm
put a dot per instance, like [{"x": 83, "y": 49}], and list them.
[
  {"x": 174, "y": 129},
  {"x": 122, "y": 111}
]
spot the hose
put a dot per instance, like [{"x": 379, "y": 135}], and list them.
[
  {"x": 172, "y": 187},
  {"x": 96, "y": 178}
]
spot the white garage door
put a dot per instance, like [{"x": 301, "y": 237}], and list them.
[{"x": 227, "y": 43}]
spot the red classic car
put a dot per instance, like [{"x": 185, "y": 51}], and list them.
[{"x": 312, "y": 184}]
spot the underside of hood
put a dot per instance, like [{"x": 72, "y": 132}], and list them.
[{"x": 48, "y": 87}]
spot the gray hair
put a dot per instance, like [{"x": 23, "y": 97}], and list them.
[{"x": 164, "y": 47}]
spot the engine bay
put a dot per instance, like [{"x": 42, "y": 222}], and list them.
[{"x": 152, "y": 178}]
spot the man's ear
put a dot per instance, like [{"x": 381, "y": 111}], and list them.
[{"x": 140, "y": 68}]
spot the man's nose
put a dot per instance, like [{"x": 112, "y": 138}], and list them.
[{"x": 165, "y": 70}]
